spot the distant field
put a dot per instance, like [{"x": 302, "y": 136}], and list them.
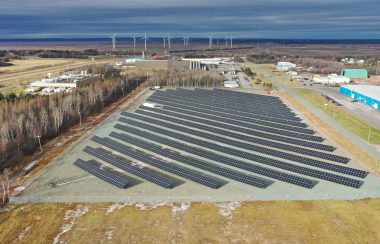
[
  {"x": 247, "y": 222},
  {"x": 23, "y": 72}
]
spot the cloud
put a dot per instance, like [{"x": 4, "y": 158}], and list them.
[{"x": 246, "y": 18}]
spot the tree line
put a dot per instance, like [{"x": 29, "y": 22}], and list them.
[
  {"x": 185, "y": 78},
  {"x": 26, "y": 120}
]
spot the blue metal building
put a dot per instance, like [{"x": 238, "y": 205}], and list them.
[{"x": 366, "y": 94}]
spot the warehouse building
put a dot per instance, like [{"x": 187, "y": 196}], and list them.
[
  {"x": 331, "y": 79},
  {"x": 355, "y": 73},
  {"x": 164, "y": 64},
  {"x": 366, "y": 94}
]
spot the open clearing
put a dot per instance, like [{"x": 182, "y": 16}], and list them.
[
  {"x": 230, "y": 222},
  {"x": 61, "y": 181}
]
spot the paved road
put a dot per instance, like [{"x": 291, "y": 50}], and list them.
[{"x": 359, "y": 142}]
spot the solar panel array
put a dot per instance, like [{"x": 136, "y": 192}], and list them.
[
  {"x": 189, "y": 125},
  {"x": 102, "y": 174},
  {"x": 142, "y": 173},
  {"x": 145, "y": 158},
  {"x": 208, "y": 136},
  {"x": 252, "y": 157}
]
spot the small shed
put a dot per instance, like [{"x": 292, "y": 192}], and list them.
[{"x": 355, "y": 73}]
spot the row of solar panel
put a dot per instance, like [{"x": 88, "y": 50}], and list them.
[
  {"x": 228, "y": 141},
  {"x": 266, "y": 111},
  {"x": 216, "y": 157},
  {"x": 121, "y": 164},
  {"x": 257, "y": 169},
  {"x": 102, "y": 174},
  {"x": 242, "y": 115},
  {"x": 243, "y": 154},
  {"x": 238, "y": 121},
  {"x": 250, "y": 131},
  {"x": 257, "y": 126},
  {"x": 260, "y": 141},
  {"x": 172, "y": 168},
  {"x": 233, "y": 102},
  {"x": 225, "y": 172},
  {"x": 258, "y": 106},
  {"x": 259, "y": 135},
  {"x": 250, "y": 99}
]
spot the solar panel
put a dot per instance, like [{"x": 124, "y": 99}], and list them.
[
  {"x": 260, "y": 108},
  {"x": 102, "y": 174},
  {"x": 256, "y": 158},
  {"x": 251, "y": 131},
  {"x": 231, "y": 142},
  {"x": 142, "y": 173},
  {"x": 148, "y": 159},
  {"x": 254, "y": 168},
  {"x": 224, "y": 111},
  {"x": 236, "y": 120},
  {"x": 225, "y": 172}
]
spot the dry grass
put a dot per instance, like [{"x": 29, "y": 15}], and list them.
[{"x": 251, "y": 222}]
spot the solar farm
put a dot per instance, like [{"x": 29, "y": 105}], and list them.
[{"x": 204, "y": 144}]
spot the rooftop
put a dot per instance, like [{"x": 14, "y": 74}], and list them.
[{"x": 366, "y": 90}]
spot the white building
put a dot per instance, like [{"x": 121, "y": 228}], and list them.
[
  {"x": 331, "y": 79},
  {"x": 285, "y": 66}
]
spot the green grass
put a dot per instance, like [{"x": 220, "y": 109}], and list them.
[
  {"x": 13, "y": 90},
  {"x": 354, "y": 124}
]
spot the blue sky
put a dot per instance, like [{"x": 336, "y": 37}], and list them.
[{"x": 309, "y": 19}]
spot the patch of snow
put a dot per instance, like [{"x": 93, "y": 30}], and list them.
[
  {"x": 116, "y": 206},
  {"x": 109, "y": 233},
  {"x": 225, "y": 209},
  {"x": 145, "y": 206},
  {"x": 20, "y": 188},
  {"x": 183, "y": 206},
  {"x": 22, "y": 233},
  {"x": 71, "y": 215}
]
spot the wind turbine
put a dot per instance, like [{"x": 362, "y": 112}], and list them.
[
  {"x": 113, "y": 37},
  {"x": 226, "y": 40},
  {"x": 169, "y": 40},
  {"x": 231, "y": 39},
  {"x": 145, "y": 38},
  {"x": 210, "y": 41},
  {"x": 134, "y": 45},
  {"x": 164, "y": 42}
]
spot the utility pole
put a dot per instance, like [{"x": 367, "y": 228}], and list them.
[{"x": 39, "y": 141}]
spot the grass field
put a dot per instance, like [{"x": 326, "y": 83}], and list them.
[{"x": 247, "y": 222}]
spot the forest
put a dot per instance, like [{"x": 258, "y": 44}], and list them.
[{"x": 26, "y": 120}]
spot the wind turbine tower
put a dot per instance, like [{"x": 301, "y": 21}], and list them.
[
  {"x": 169, "y": 40},
  {"x": 145, "y": 40},
  {"x": 134, "y": 45},
  {"x": 113, "y": 37},
  {"x": 210, "y": 42},
  {"x": 231, "y": 39}
]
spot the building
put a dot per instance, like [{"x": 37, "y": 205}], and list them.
[
  {"x": 331, "y": 79},
  {"x": 366, "y": 94},
  {"x": 67, "y": 81},
  {"x": 163, "y": 64},
  {"x": 355, "y": 73},
  {"x": 285, "y": 66}
]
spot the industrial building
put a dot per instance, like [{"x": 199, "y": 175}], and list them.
[
  {"x": 67, "y": 81},
  {"x": 285, "y": 66},
  {"x": 164, "y": 64},
  {"x": 331, "y": 79},
  {"x": 366, "y": 94},
  {"x": 355, "y": 73}
]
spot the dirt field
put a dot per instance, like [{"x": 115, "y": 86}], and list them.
[{"x": 246, "y": 222}]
